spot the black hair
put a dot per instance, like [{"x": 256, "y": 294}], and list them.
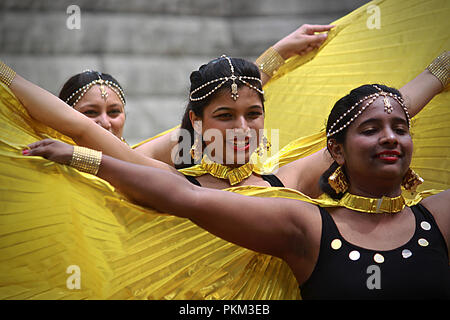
[
  {"x": 340, "y": 107},
  {"x": 214, "y": 69},
  {"x": 81, "y": 79}
]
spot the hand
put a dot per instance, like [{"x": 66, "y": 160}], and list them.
[
  {"x": 56, "y": 151},
  {"x": 302, "y": 40}
]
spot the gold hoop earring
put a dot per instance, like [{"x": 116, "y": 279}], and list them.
[
  {"x": 338, "y": 181},
  {"x": 411, "y": 180}
]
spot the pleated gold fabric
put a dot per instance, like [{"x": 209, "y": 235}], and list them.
[
  {"x": 53, "y": 217},
  {"x": 410, "y": 35}
]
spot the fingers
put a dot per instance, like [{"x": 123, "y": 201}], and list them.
[
  {"x": 38, "y": 148},
  {"x": 312, "y": 28},
  {"x": 40, "y": 143}
]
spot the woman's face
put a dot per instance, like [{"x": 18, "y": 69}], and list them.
[
  {"x": 108, "y": 113},
  {"x": 230, "y": 128},
  {"x": 378, "y": 147}
]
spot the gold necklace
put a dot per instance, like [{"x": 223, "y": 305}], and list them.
[
  {"x": 233, "y": 175},
  {"x": 372, "y": 205}
]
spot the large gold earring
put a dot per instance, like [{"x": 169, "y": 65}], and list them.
[
  {"x": 196, "y": 152},
  {"x": 338, "y": 181},
  {"x": 264, "y": 145},
  {"x": 411, "y": 180}
]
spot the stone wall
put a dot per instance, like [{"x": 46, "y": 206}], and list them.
[{"x": 150, "y": 46}]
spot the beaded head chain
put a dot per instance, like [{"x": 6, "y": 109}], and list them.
[
  {"x": 112, "y": 85},
  {"x": 387, "y": 108},
  {"x": 222, "y": 80}
]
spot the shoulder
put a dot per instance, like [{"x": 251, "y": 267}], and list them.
[
  {"x": 303, "y": 174},
  {"x": 438, "y": 205},
  {"x": 161, "y": 147}
]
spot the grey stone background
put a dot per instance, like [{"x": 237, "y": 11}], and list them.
[{"x": 149, "y": 46}]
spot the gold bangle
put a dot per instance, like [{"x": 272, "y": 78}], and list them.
[
  {"x": 6, "y": 74},
  {"x": 270, "y": 61},
  {"x": 440, "y": 68},
  {"x": 86, "y": 160}
]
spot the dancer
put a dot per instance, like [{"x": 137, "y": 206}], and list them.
[
  {"x": 140, "y": 259},
  {"x": 217, "y": 106},
  {"x": 99, "y": 96},
  {"x": 329, "y": 251}
]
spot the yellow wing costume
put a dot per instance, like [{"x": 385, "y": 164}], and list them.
[{"x": 53, "y": 217}]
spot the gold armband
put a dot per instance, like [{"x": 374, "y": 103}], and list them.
[
  {"x": 6, "y": 74},
  {"x": 440, "y": 68},
  {"x": 270, "y": 61},
  {"x": 86, "y": 160}
]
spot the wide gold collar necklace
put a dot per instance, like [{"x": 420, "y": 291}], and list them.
[
  {"x": 372, "y": 205},
  {"x": 233, "y": 175}
]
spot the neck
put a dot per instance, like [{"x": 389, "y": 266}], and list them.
[
  {"x": 375, "y": 191},
  {"x": 233, "y": 174}
]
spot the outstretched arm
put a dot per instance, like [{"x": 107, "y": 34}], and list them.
[
  {"x": 303, "y": 174},
  {"x": 269, "y": 225},
  {"x": 53, "y": 112},
  {"x": 419, "y": 91}
]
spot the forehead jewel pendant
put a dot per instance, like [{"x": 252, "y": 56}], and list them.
[
  {"x": 103, "y": 92},
  {"x": 234, "y": 88},
  {"x": 387, "y": 105}
]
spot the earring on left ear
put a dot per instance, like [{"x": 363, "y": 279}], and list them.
[
  {"x": 264, "y": 145},
  {"x": 338, "y": 181},
  {"x": 411, "y": 180}
]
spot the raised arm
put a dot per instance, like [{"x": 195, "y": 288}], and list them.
[
  {"x": 53, "y": 112},
  {"x": 300, "y": 42},
  {"x": 419, "y": 91},
  {"x": 269, "y": 225},
  {"x": 303, "y": 174}
]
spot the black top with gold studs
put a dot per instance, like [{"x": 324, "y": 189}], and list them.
[{"x": 418, "y": 269}]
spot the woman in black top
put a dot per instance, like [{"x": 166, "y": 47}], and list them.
[{"x": 370, "y": 245}]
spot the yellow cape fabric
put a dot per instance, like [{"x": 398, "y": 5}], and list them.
[
  {"x": 301, "y": 94},
  {"x": 53, "y": 217}
]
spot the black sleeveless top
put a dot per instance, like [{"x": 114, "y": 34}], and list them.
[
  {"x": 418, "y": 269},
  {"x": 270, "y": 178}
]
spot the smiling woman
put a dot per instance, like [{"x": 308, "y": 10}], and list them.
[
  {"x": 327, "y": 249},
  {"x": 98, "y": 96}
]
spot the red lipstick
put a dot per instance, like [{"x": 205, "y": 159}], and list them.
[{"x": 389, "y": 156}]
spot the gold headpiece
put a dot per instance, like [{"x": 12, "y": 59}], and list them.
[
  {"x": 113, "y": 86},
  {"x": 234, "y": 87},
  {"x": 387, "y": 108}
]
